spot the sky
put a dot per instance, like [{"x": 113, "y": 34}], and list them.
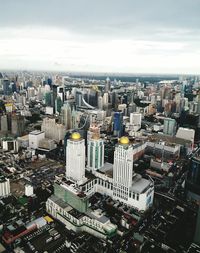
[{"x": 127, "y": 36}]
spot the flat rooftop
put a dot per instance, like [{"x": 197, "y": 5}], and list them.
[
  {"x": 36, "y": 132},
  {"x": 61, "y": 203},
  {"x": 139, "y": 184}
]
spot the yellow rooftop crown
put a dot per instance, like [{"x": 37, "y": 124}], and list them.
[
  {"x": 76, "y": 136},
  {"x": 124, "y": 140}
]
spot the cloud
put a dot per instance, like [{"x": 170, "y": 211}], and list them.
[{"x": 107, "y": 35}]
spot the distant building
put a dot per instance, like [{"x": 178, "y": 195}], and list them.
[
  {"x": 52, "y": 129},
  {"x": 17, "y": 125},
  {"x": 4, "y": 123},
  {"x": 186, "y": 133},
  {"x": 118, "y": 124}
]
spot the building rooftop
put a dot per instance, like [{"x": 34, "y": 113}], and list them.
[
  {"x": 60, "y": 202},
  {"x": 36, "y": 132},
  {"x": 139, "y": 184}
]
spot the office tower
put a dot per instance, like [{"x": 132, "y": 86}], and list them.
[
  {"x": 58, "y": 104},
  {"x": 198, "y": 101},
  {"x": 193, "y": 178},
  {"x": 105, "y": 100},
  {"x": 197, "y": 233},
  {"x": 95, "y": 153},
  {"x": 74, "y": 119},
  {"x": 122, "y": 169},
  {"x": 4, "y": 123},
  {"x": 49, "y": 81},
  {"x": 40, "y": 93},
  {"x": 66, "y": 116},
  {"x": 118, "y": 124},
  {"x": 30, "y": 92},
  {"x": 169, "y": 126},
  {"x": 17, "y": 125},
  {"x": 100, "y": 102},
  {"x": 75, "y": 158},
  {"x": 52, "y": 129},
  {"x": 54, "y": 96},
  {"x": 60, "y": 93},
  {"x": 107, "y": 85},
  {"x": 92, "y": 97},
  {"x": 7, "y": 91},
  {"x": 48, "y": 98}
]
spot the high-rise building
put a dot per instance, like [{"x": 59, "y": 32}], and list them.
[
  {"x": 118, "y": 124},
  {"x": 66, "y": 116},
  {"x": 52, "y": 129},
  {"x": 95, "y": 153},
  {"x": 193, "y": 178},
  {"x": 4, "y": 123},
  {"x": 169, "y": 126},
  {"x": 197, "y": 233},
  {"x": 107, "y": 84},
  {"x": 75, "y": 158},
  {"x": 17, "y": 125},
  {"x": 122, "y": 169}
]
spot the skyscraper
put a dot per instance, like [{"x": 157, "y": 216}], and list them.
[
  {"x": 95, "y": 153},
  {"x": 66, "y": 116},
  {"x": 122, "y": 169},
  {"x": 75, "y": 158},
  {"x": 118, "y": 124}
]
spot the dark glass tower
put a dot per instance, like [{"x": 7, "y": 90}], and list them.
[{"x": 193, "y": 178}]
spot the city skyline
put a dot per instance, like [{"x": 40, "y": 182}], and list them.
[{"x": 115, "y": 36}]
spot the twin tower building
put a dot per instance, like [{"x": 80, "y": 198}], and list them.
[
  {"x": 71, "y": 203},
  {"x": 126, "y": 185}
]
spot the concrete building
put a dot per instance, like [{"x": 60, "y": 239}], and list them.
[
  {"x": 9, "y": 144},
  {"x": 75, "y": 160},
  {"x": 66, "y": 116},
  {"x": 28, "y": 190},
  {"x": 34, "y": 138},
  {"x": 52, "y": 129},
  {"x": 186, "y": 133},
  {"x": 4, "y": 123},
  {"x": 4, "y": 186},
  {"x": 17, "y": 125}
]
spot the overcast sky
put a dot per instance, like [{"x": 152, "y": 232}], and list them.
[{"x": 129, "y": 36}]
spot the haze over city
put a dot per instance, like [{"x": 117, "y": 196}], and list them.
[{"x": 101, "y": 36}]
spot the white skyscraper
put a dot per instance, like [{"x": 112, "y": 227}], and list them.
[
  {"x": 75, "y": 158},
  {"x": 95, "y": 153},
  {"x": 122, "y": 169}
]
